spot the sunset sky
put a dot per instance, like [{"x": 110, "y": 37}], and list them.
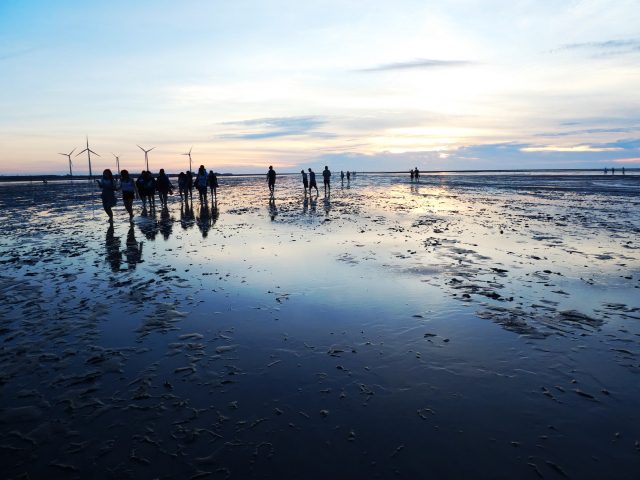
[{"x": 358, "y": 85}]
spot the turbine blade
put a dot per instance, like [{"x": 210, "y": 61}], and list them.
[
  {"x": 72, "y": 151},
  {"x": 62, "y": 154},
  {"x": 94, "y": 152},
  {"x": 151, "y": 149},
  {"x": 140, "y": 147},
  {"x": 80, "y": 153},
  {"x": 190, "y": 150}
]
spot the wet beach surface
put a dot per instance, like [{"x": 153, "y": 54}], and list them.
[{"x": 465, "y": 326}]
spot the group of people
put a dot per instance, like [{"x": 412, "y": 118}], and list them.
[
  {"x": 415, "y": 174},
  {"x": 146, "y": 186},
  {"x": 613, "y": 170},
  {"x": 309, "y": 180}
]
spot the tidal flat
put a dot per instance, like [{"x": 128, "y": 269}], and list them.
[{"x": 467, "y": 326}]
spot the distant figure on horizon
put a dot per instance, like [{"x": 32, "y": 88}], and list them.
[
  {"x": 613, "y": 171},
  {"x": 417, "y": 174},
  {"x": 189, "y": 185},
  {"x": 128, "y": 187},
  {"x": 305, "y": 181},
  {"x": 271, "y": 179},
  {"x": 108, "y": 186},
  {"x": 412, "y": 174},
  {"x": 312, "y": 181},
  {"x": 182, "y": 185},
  {"x": 212, "y": 180},
  {"x": 326, "y": 175},
  {"x": 623, "y": 170},
  {"x": 605, "y": 170},
  {"x": 201, "y": 183},
  {"x": 348, "y": 176},
  {"x": 164, "y": 187},
  {"x": 342, "y": 175}
]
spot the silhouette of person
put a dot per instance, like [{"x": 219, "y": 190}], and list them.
[
  {"x": 348, "y": 176},
  {"x": 108, "y": 186},
  {"x": 182, "y": 185},
  {"x": 623, "y": 170},
  {"x": 164, "y": 187},
  {"x": 312, "y": 181},
  {"x": 326, "y": 175},
  {"x": 189, "y": 184},
  {"x": 605, "y": 170},
  {"x": 417, "y": 174},
  {"x": 112, "y": 246},
  {"x": 212, "y": 180},
  {"x": 412, "y": 174},
  {"x": 201, "y": 183},
  {"x": 342, "y": 176},
  {"x": 140, "y": 188},
  {"x": 134, "y": 249},
  {"x": 128, "y": 187},
  {"x": 613, "y": 171},
  {"x": 271, "y": 179},
  {"x": 305, "y": 181},
  {"x": 150, "y": 189}
]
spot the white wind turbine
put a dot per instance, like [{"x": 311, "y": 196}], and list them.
[
  {"x": 146, "y": 155},
  {"x": 68, "y": 155},
  {"x": 189, "y": 154},
  {"x": 117, "y": 163},
  {"x": 89, "y": 152}
]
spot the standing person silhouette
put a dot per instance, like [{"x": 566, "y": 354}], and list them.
[
  {"x": 348, "y": 176},
  {"x": 108, "y": 186},
  {"x": 326, "y": 175},
  {"x": 128, "y": 187},
  {"x": 164, "y": 187},
  {"x": 305, "y": 181},
  {"x": 312, "y": 181},
  {"x": 189, "y": 185},
  {"x": 212, "y": 180},
  {"x": 140, "y": 188},
  {"x": 417, "y": 174},
  {"x": 182, "y": 185},
  {"x": 342, "y": 176},
  {"x": 201, "y": 183},
  {"x": 271, "y": 179},
  {"x": 412, "y": 174}
]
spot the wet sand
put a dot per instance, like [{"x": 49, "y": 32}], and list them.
[{"x": 462, "y": 327}]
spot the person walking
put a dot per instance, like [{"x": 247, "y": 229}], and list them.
[
  {"x": 201, "y": 183},
  {"x": 312, "y": 181},
  {"x": 326, "y": 175},
  {"x": 164, "y": 187},
  {"x": 417, "y": 174},
  {"x": 189, "y": 185},
  {"x": 212, "y": 180},
  {"x": 271, "y": 179},
  {"x": 305, "y": 181},
  {"x": 140, "y": 188},
  {"x": 128, "y": 187},
  {"x": 182, "y": 185},
  {"x": 108, "y": 186}
]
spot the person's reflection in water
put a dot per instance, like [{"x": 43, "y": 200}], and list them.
[
  {"x": 166, "y": 223},
  {"x": 204, "y": 220},
  {"x": 186, "y": 214},
  {"x": 414, "y": 188},
  {"x": 305, "y": 205},
  {"x": 273, "y": 210},
  {"x": 112, "y": 245},
  {"x": 149, "y": 226},
  {"x": 134, "y": 249},
  {"x": 327, "y": 204},
  {"x": 215, "y": 213},
  {"x": 314, "y": 203}
]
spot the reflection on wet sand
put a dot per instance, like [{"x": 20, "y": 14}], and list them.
[{"x": 112, "y": 247}]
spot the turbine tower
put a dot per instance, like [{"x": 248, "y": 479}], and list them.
[
  {"x": 189, "y": 154},
  {"x": 68, "y": 155},
  {"x": 89, "y": 152},
  {"x": 117, "y": 163},
  {"x": 146, "y": 155}
]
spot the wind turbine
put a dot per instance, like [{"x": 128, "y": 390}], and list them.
[
  {"x": 189, "y": 154},
  {"x": 117, "y": 163},
  {"x": 89, "y": 152},
  {"x": 68, "y": 155},
  {"x": 146, "y": 155}
]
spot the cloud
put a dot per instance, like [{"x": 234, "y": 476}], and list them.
[
  {"x": 575, "y": 148},
  {"x": 261, "y": 128},
  {"x": 604, "y": 48},
  {"x": 417, "y": 64},
  {"x": 589, "y": 131},
  {"x": 627, "y": 160}
]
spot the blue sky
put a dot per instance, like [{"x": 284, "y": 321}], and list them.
[{"x": 360, "y": 85}]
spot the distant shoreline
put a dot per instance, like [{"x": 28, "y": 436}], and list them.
[{"x": 539, "y": 171}]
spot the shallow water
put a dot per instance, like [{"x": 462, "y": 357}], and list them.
[{"x": 466, "y": 326}]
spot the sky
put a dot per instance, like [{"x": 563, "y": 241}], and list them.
[{"x": 357, "y": 85}]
